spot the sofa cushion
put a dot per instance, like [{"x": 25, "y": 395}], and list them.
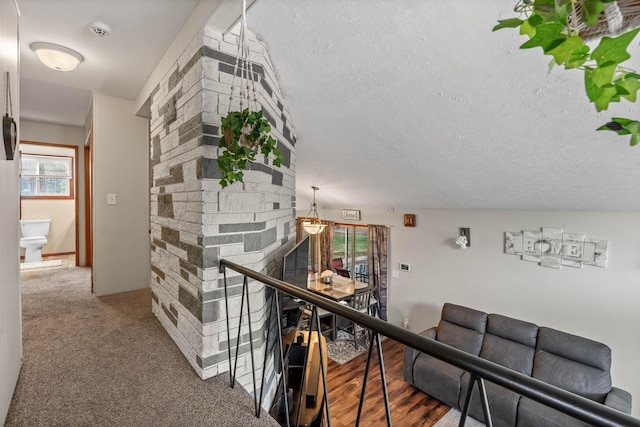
[
  {"x": 409, "y": 356},
  {"x": 462, "y": 328},
  {"x": 576, "y": 348},
  {"x": 503, "y": 403},
  {"x": 534, "y": 414},
  {"x": 507, "y": 353},
  {"x": 573, "y": 363},
  {"x": 438, "y": 379},
  {"x": 465, "y": 317},
  {"x": 516, "y": 330},
  {"x": 510, "y": 343}
]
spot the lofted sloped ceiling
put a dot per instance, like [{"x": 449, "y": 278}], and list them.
[
  {"x": 417, "y": 104},
  {"x": 410, "y": 104}
]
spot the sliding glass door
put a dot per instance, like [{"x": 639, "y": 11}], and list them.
[{"x": 350, "y": 251}]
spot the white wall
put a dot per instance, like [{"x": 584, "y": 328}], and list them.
[
  {"x": 66, "y": 135},
  {"x": 598, "y": 303},
  {"x": 121, "y": 256},
  {"x": 10, "y": 316}
]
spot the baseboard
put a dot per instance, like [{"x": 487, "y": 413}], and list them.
[{"x": 53, "y": 254}]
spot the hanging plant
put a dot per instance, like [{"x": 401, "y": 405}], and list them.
[
  {"x": 562, "y": 28},
  {"x": 245, "y": 134}
]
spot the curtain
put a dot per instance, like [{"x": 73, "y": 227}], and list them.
[
  {"x": 377, "y": 264},
  {"x": 326, "y": 246}
]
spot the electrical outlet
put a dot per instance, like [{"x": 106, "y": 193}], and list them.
[{"x": 394, "y": 273}]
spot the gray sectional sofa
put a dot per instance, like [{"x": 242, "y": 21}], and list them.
[{"x": 576, "y": 364}]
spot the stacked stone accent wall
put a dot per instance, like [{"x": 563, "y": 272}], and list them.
[{"x": 195, "y": 223}]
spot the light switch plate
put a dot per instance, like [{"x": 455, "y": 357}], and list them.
[{"x": 111, "y": 199}]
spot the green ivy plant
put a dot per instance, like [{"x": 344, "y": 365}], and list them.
[
  {"x": 551, "y": 25},
  {"x": 245, "y": 134}
]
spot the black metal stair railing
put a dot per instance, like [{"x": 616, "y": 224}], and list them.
[{"x": 480, "y": 369}]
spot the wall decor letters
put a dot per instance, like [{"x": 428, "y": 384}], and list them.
[{"x": 553, "y": 248}]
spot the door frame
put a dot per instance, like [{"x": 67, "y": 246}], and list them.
[{"x": 88, "y": 201}]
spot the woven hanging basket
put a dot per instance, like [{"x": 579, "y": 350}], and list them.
[
  {"x": 243, "y": 141},
  {"x": 618, "y": 17}
]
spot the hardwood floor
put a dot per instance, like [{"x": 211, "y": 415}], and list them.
[{"x": 409, "y": 406}]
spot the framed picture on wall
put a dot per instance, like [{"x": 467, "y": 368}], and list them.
[
  {"x": 8, "y": 124},
  {"x": 351, "y": 214},
  {"x": 409, "y": 220},
  {"x": 9, "y": 136}
]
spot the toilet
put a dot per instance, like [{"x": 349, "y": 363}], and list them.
[{"x": 34, "y": 237}]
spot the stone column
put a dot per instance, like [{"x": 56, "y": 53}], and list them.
[{"x": 194, "y": 222}]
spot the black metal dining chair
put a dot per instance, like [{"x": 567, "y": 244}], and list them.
[
  {"x": 365, "y": 302},
  {"x": 342, "y": 272}
]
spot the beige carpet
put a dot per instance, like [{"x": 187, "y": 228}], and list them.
[
  {"x": 108, "y": 362},
  {"x": 40, "y": 264}
]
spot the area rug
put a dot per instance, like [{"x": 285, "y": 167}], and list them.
[
  {"x": 452, "y": 419},
  {"x": 342, "y": 349}
]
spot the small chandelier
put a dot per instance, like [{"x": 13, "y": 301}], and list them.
[{"x": 311, "y": 223}]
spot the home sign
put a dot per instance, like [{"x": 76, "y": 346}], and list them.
[{"x": 553, "y": 248}]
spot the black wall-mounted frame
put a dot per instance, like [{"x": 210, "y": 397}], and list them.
[
  {"x": 9, "y": 130},
  {"x": 9, "y": 135},
  {"x": 466, "y": 232}
]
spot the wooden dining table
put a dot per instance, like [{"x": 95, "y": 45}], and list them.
[{"x": 340, "y": 288}]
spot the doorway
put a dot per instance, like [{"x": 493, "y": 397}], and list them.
[{"x": 49, "y": 192}]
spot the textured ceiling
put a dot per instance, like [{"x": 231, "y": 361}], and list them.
[
  {"x": 418, "y": 104},
  {"x": 411, "y": 104}
]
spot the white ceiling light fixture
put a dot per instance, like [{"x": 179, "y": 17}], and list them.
[
  {"x": 311, "y": 223},
  {"x": 100, "y": 29},
  {"x": 57, "y": 57}
]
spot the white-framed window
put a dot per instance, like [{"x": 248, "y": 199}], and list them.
[{"x": 46, "y": 176}]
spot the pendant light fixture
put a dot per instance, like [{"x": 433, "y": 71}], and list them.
[
  {"x": 57, "y": 57},
  {"x": 311, "y": 223}
]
